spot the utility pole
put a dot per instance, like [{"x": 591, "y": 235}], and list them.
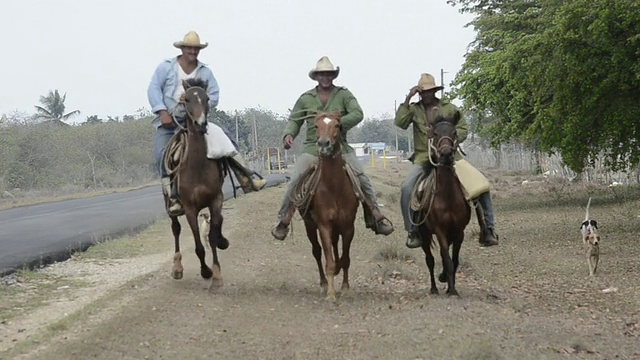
[
  {"x": 442, "y": 72},
  {"x": 236, "y": 116},
  {"x": 255, "y": 133}
]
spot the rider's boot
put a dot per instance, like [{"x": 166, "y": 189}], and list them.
[
  {"x": 374, "y": 219},
  {"x": 281, "y": 229},
  {"x": 249, "y": 180},
  {"x": 173, "y": 205}
]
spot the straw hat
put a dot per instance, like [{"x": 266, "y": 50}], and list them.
[
  {"x": 324, "y": 64},
  {"x": 191, "y": 39},
  {"x": 428, "y": 82}
]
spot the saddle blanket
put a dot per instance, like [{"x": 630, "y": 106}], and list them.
[{"x": 218, "y": 143}]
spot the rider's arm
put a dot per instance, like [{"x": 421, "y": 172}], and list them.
[
  {"x": 296, "y": 119},
  {"x": 154, "y": 91},
  {"x": 354, "y": 112},
  {"x": 404, "y": 116},
  {"x": 213, "y": 90},
  {"x": 461, "y": 128}
]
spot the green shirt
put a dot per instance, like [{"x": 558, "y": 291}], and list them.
[
  {"x": 308, "y": 106},
  {"x": 416, "y": 113}
]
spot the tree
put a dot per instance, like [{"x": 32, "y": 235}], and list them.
[
  {"x": 93, "y": 119},
  {"x": 53, "y": 108},
  {"x": 560, "y": 76}
]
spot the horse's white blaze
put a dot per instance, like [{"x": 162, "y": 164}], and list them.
[
  {"x": 201, "y": 120},
  {"x": 327, "y": 120}
]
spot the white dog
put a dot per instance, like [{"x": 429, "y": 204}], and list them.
[{"x": 591, "y": 240}]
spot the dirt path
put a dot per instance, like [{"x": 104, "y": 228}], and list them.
[{"x": 529, "y": 298}]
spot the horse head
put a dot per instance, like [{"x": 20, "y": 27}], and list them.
[
  {"x": 444, "y": 135},
  {"x": 328, "y": 132},
  {"x": 196, "y": 103}
]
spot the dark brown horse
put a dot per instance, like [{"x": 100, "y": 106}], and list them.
[
  {"x": 332, "y": 209},
  {"x": 448, "y": 211},
  {"x": 199, "y": 182}
]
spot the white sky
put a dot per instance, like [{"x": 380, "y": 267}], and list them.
[{"x": 102, "y": 53}]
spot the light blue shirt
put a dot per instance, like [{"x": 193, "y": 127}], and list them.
[{"x": 164, "y": 82}]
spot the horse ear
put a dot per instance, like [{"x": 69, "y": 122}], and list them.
[{"x": 185, "y": 85}]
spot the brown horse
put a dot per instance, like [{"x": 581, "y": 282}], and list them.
[
  {"x": 332, "y": 208},
  {"x": 448, "y": 211},
  {"x": 199, "y": 182}
]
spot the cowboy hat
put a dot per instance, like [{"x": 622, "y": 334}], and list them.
[
  {"x": 191, "y": 39},
  {"x": 428, "y": 82},
  {"x": 324, "y": 65}
]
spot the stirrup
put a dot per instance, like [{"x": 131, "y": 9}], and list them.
[{"x": 175, "y": 208}]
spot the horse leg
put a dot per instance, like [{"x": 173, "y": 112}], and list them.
[
  {"x": 177, "y": 270},
  {"x": 425, "y": 235},
  {"x": 447, "y": 267},
  {"x": 192, "y": 218},
  {"x": 330, "y": 263},
  {"x": 345, "y": 259},
  {"x": 457, "y": 244},
  {"x": 335, "y": 238},
  {"x": 216, "y": 239},
  {"x": 316, "y": 249}
]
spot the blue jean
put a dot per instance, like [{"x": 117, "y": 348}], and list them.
[
  {"x": 408, "y": 215},
  {"x": 163, "y": 135}
]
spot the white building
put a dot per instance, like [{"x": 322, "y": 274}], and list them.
[{"x": 361, "y": 149}]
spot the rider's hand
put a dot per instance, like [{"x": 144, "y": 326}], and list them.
[
  {"x": 288, "y": 141},
  {"x": 414, "y": 90},
  {"x": 165, "y": 119},
  {"x": 181, "y": 100}
]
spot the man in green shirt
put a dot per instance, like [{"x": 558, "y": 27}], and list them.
[
  {"x": 416, "y": 114},
  {"x": 326, "y": 97}
]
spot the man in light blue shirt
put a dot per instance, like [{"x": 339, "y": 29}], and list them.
[{"x": 165, "y": 93}]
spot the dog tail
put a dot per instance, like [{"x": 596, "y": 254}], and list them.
[{"x": 588, "y": 204}]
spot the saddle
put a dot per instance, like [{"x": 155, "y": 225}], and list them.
[
  {"x": 176, "y": 150},
  {"x": 305, "y": 189},
  {"x": 473, "y": 184}
]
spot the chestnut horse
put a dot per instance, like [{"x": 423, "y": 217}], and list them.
[
  {"x": 448, "y": 212},
  {"x": 199, "y": 181},
  {"x": 331, "y": 209}
]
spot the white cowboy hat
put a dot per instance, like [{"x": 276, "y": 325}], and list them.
[
  {"x": 191, "y": 39},
  {"x": 324, "y": 64},
  {"x": 428, "y": 82}
]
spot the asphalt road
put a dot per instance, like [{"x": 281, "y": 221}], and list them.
[{"x": 40, "y": 234}]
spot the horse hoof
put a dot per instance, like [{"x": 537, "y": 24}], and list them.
[
  {"x": 206, "y": 273},
  {"x": 434, "y": 291},
  {"x": 331, "y": 298},
  {"x": 453, "y": 292},
  {"x": 222, "y": 243},
  {"x": 176, "y": 274},
  {"x": 442, "y": 277},
  {"x": 216, "y": 284}
]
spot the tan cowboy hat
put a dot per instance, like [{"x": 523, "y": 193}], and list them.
[
  {"x": 324, "y": 64},
  {"x": 428, "y": 82},
  {"x": 191, "y": 39}
]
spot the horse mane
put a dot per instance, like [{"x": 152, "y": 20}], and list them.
[
  {"x": 441, "y": 118},
  {"x": 198, "y": 82}
]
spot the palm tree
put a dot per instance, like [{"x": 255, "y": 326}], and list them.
[{"x": 52, "y": 109}]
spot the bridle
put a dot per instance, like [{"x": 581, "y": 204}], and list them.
[
  {"x": 189, "y": 115},
  {"x": 441, "y": 143}
]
